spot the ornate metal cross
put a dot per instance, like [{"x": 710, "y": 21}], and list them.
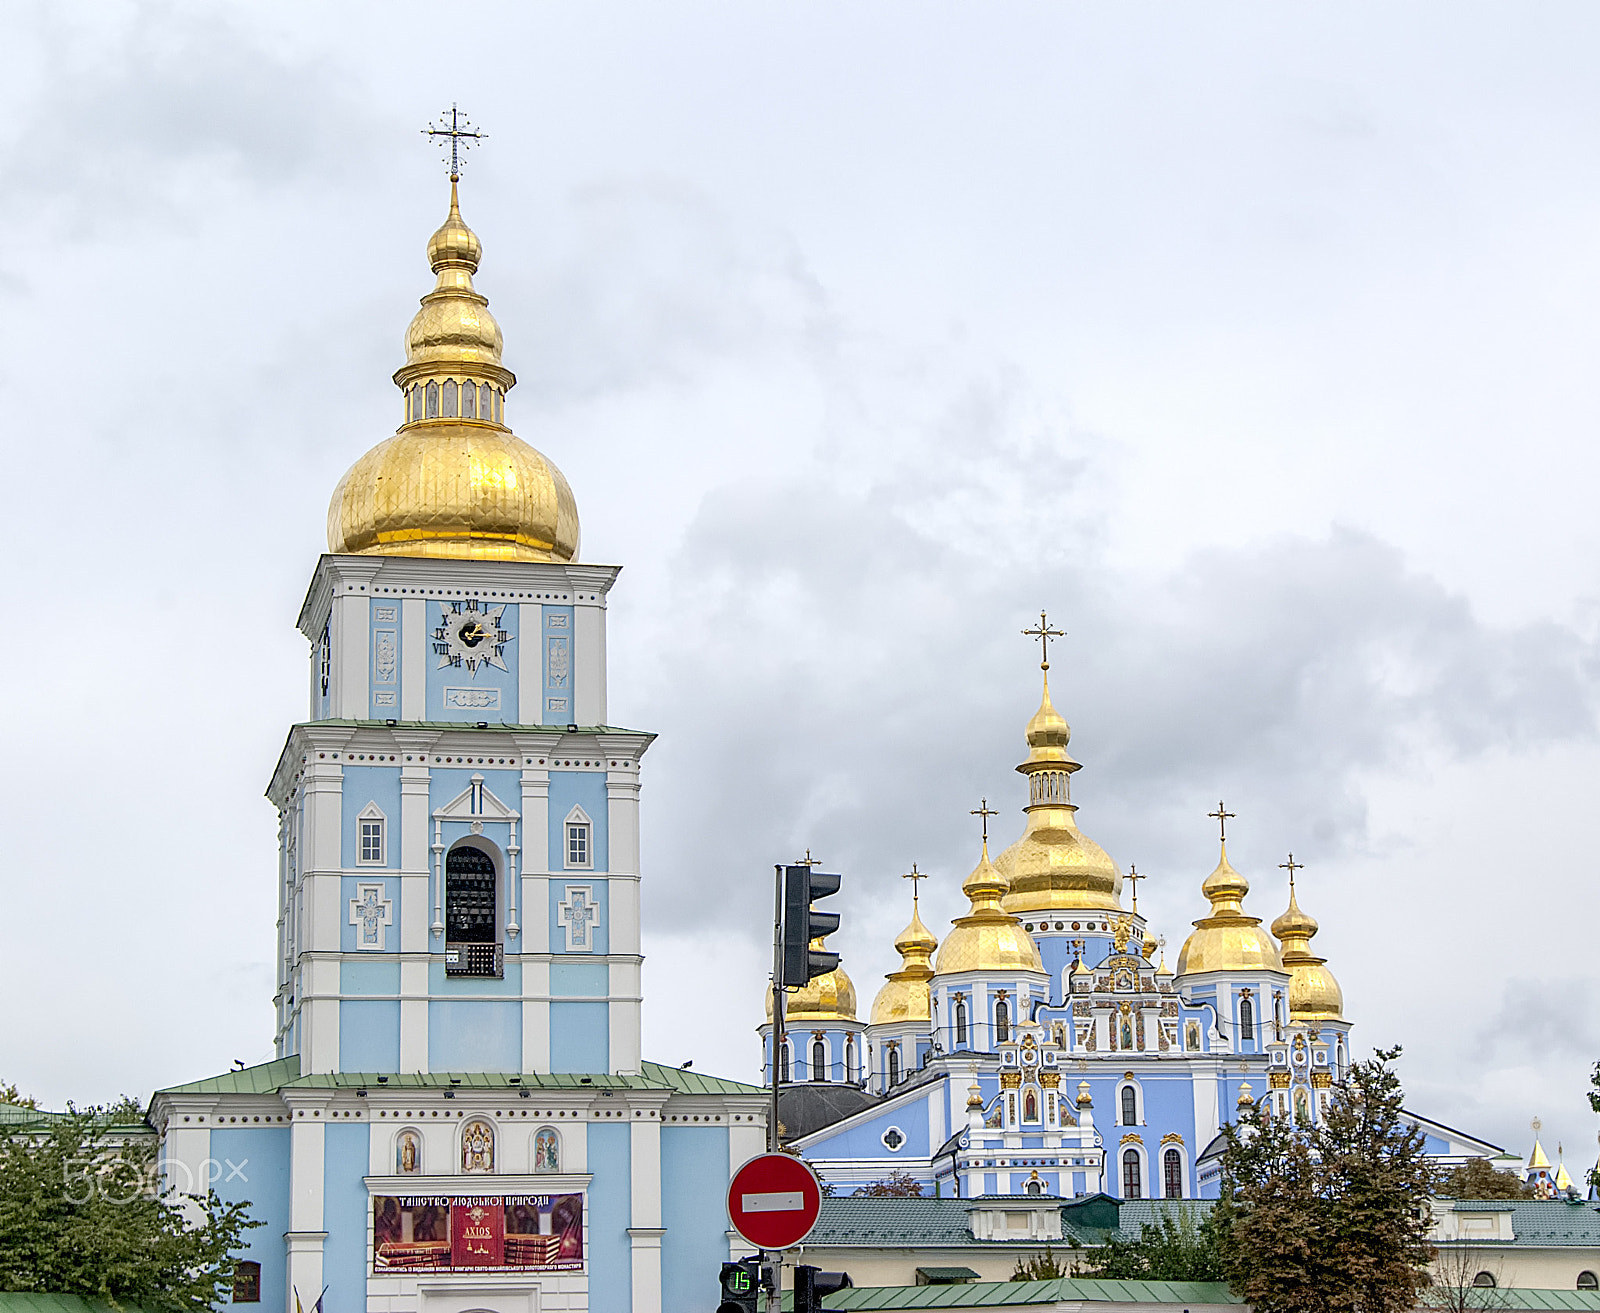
[
  {"x": 1291, "y": 866},
  {"x": 984, "y": 811},
  {"x": 1222, "y": 816},
  {"x": 1133, "y": 878},
  {"x": 1044, "y": 634},
  {"x": 462, "y": 137},
  {"x": 914, "y": 876}
]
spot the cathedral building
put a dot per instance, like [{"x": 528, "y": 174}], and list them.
[
  {"x": 459, "y": 1115},
  {"x": 1046, "y": 1048}
]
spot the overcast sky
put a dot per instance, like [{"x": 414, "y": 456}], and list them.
[{"x": 1255, "y": 344}]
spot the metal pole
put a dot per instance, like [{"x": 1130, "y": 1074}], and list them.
[{"x": 777, "y": 1001}]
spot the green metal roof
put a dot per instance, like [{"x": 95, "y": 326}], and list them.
[
  {"x": 1539, "y": 1223},
  {"x": 282, "y": 1073},
  {"x": 1001, "y": 1294},
  {"x": 947, "y": 1275},
  {"x": 453, "y": 725}
]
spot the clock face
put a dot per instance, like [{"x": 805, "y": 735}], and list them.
[{"x": 469, "y": 634}]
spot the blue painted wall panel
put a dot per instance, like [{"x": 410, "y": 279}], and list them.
[
  {"x": 580, "y": 1037},
  {"x": 610, "y": 1215},
  {"x": 557, "y": 665},
  {"x": 361, "y": 785},
  {"x": 344, "y": 1217},
  {"x": 475, "y": 1035},
  {"x": 369, "y": 1035},
  {"x": 443, "y": 986},
  {"x": 586, "y": 789},
  {"x": 370, "y": 975},
  {"x": 383, "y": 656},
  {"x": 694, "y": 1185},
  {"x": 864, "y": 1140},
  {"x": 258, "y": 1163},
  {"x": 580, "y": 980}
]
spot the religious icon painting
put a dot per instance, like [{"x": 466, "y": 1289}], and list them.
[
  {"x": 408, "y": 1154},
  {"x": 546, "y": 1151},
  {"x": 477, "y": 1147}
]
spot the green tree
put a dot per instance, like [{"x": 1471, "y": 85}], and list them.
[
  {"x": 1180, "y": 1247},
  {"x": 9, "y": 1093},
  {"x": 1478, "y": 1178},
  {"x": 1331, "y": 1217},
  {"x": 896, "y": 1185},
  {"x": 1594, "y": 1102},
  {"x": 1040, "y": 1267},
  {"x": 80, "y": 1215}
]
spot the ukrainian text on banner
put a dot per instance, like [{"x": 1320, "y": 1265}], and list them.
[{"x": 443, "y": 1233}]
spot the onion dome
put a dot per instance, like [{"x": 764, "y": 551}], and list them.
[
  {"x": 987, "y": 938},
  {"x": 1054, "y": 864},
  {"x": 828, "y": 997},
  {"x": 904, "y": 996},
  {"x": 1314, "y": 995},
  {"x": 1227, "y": 940},
  {"x": 454, "y": 481}
]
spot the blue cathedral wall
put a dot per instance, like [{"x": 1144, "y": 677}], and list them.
[
  {"x": 556, "y": 651},
  {"x": 359, "y": 786},
  {"x": 580, "y": 1037},
  {"x": 369, "y": 1034},
  {"x": 695, "y": 1168},
  {"x": 586, "y": 789},
  {"x": 477, "y": 1034},
  {"x": 610, "y": 1216},
  {"x": 262, "y": 1159},
  {"x": 344, "y": 1217}
]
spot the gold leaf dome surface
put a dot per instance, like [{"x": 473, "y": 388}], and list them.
[
  {"x": 905, "y": 995},
  {"x": 1054, "y": 864},
  {"x": 1314, "y": 994},
  {"x": 1227, "y": 940},
  {"x": 828, "y": 997},
  {"x": 454, "y": 481},
  {"x": 988, "y": 938}
]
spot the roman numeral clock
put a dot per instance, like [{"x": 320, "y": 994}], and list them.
[{"x": 470, "y": 635}]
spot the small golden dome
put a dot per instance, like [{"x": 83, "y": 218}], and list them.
[
  {"x": 1227, "y": 940},
  {"x": 1314, "y": 995},
  {"x": 828, "y": 997},
  {"x": 454, "y": 481},
  {"x": 988, "y": 938},
  {"x": 904, "y": 995},
  {"x": 1054, "y": 865}
]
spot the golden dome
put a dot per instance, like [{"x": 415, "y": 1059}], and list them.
[
  {"x": 454, "y": 481},
  {"x": 1054, "y": 864},
  {"x": 1314, "y": 995},
  {"x": 1227, "y": 940},
  {"x": 904, "y": 996},
  {"x": 988, "y": 938},
  {"x": 828, "y": 997}
]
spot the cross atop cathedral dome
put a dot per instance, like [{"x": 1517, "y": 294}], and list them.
[
  {"x": 454, "y": 481},
  {"x": 1314, "y": 994},
  {"x": 904, "y": 995},
  {"x": 987, "y": 938},
  {"x": 1227, "y": 940}
]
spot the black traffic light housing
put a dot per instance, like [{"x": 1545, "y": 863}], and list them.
[
  {"x": 802, "y": 886},
  {"x": 811, "y": 1286},
  {"x": 741, "y": 1286}
]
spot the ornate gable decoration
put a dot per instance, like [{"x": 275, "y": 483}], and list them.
[{"x": 476, "y": 804}]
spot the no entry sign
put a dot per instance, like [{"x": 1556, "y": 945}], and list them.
[{"x": 773, "y": 1201}]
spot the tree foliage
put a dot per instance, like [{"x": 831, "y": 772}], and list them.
[
  {"x": 1478, "y": 1178},
  {"x": 9, "y": 1093},
  {"x": 1178, "y": 1248},
  {"x": 896, "y": 1185},
  {"x": 1594, "y": 1102},
  {"x": 1040, "y": 1267},
  {"x": 1331, "y": 1217},
  {"x": 80, "y": 1214}
]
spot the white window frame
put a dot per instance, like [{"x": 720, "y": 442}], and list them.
[
  {"x": 577, "y": 816},
  {"x": 372, "y": 814}
]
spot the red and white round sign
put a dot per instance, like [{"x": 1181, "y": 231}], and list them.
[{"x": 773, "y": 1200}]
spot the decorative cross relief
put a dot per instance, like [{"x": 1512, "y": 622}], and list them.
[
  {"x": 370, "y": 913},
  {"x": 579, "y": 915}
]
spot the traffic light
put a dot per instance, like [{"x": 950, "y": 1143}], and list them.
[
  {"x": 741, "y": 1286},
  {"x": 802, "y": 886},
  {"x": 812, "y": 1286}
]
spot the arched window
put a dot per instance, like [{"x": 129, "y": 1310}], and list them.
[
  {"x": 450, "y": 398},
  {"x": 819, "y": 1060},
  {"x": 894, "y": 1064},
  {"x": 1172, "y": 1170},
  {"x": 1130, "y": 1106},
  {"x": 469, "y": 896},
  {"x": 547, "y": 1150},
  {"x": 416, "y": 403},
  {"x": 852, "y": 1068},
  {"x": 783, "y": 1063},
  {"x": 1484, "y": 1281},
  {"x": 485, "y": 401},
  {"x": 1002, "y": 1022},
  {"x": 247, "y": 1282},
  {"x": 498, "y": 406},
  {"x": 1277, "y": 1016},
  {"x": 477, "y": 1147},
  {"x": 1247, "y": 1020},
  {"x": 1035, "y": 1187},
  {"x": 1588, "y": 1281},
  {"x": 469, "y": 401},
  {"x": 961, "y": 1023},
  {"x": 433, "y": 401},
  {"x": 1132, "y": 1188}
]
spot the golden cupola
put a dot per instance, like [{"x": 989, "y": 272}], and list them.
[
  {"x": 904, "y": 996},
  {"x": 454, "y": 481},
  {"x": 828, "y": 997},
  {"x": 1227, "y": 940},
  {"x": 987, "y": 938},
  {"x": 1054, "y": 864},
  {"x": 1314, "y": 995}
]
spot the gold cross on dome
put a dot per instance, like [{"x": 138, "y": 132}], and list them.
[
  {"x": 809, "y": 860},
  {"x": 984, "y": 811},
  {"x": 1044, "y": 634},
  {"x": 914, "y": 876},
  {"x": 1222, "y": 816},
  {"x": 462, "y": 135},
  {"x": 1133, "y": 878},
  {"x": 1291, "y": 866}
]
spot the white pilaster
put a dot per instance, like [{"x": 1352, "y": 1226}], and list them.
[
  {"x": 351, "y": 629},
  {"x": 645, "y": 1231},
  {"x": 589, "y": 665},
  {"x": 305, "y": 1236}
]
